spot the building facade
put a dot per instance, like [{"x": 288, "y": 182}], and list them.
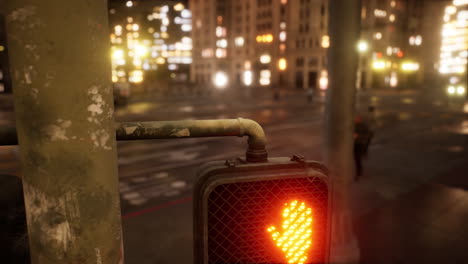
[
  {"x": 276, "y": 43},
  {"x": 283, "y": 43},
  {"x": 151, "y": 43}
]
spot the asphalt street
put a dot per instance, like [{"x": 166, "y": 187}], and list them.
[{"x": 407, "y": 207}]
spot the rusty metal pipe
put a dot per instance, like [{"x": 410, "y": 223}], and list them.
[
  {"x": 256, "y": 151},
  {"x": 240, "y": 127}
]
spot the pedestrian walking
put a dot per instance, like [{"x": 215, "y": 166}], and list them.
[
  {"x": 310, "y": 95},
  {"x": 363, "y": 134}
]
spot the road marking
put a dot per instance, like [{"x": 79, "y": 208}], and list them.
[
  {"x": 182, "y": 155},
  {"x": 175, "y": 155},
  {"x": 178, "y": 184}
]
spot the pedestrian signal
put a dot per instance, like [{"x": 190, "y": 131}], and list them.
[{"x": 273, "y": 212}]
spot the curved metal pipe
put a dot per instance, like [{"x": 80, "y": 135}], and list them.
[{"x": 256, "y": 151}]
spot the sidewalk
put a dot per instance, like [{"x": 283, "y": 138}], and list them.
[{"x": 411, "y": 205}]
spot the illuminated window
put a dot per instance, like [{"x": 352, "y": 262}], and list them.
[
  {"x": 220, "y": 32},
  {"x": 282, "y": 64},
  {"x": 221, "y": 53},
  {"x": 282, "y": 47},
  {"x": 282, "y": 36},
  {"x": 239, "y": 41},
  {"x": 207, "y": 53},
  {"x": 325, "y": 41},
  {"x": 265, "y": 77},
  {"x": 265, "y": 59},
  {"x": 222, "y": 43},
  {"x": 380, "y": 13}
]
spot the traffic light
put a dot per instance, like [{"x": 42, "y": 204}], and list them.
[{"x": 273, "y": 212}]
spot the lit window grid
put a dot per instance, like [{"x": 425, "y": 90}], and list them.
[
  {"x": 454, "y": 40},
  {"x": 183, "y": 49}
]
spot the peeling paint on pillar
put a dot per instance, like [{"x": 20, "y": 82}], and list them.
[{"x": 64, "y": 112}]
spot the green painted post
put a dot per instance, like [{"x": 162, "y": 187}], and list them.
[{"x": 61, "y": 75}]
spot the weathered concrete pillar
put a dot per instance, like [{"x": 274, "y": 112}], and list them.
[
  {"x": 60, "y": 64},
  {"x": 344, "y": 21}
]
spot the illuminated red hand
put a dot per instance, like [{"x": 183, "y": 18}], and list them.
[{"x": 296, "y": 237}]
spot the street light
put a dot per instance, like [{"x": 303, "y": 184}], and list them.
[
  {"x": 220, "y": 80},
  {"x": 362, "y": 46}
]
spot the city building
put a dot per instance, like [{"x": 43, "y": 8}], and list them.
[
  {"x": 283, "y": 43},
  {"x": 454, "y": 47},
  {"x": 391, "y": 45},
  {"x": 275, "y": 43},
  {"x": 151, "y": 41}
]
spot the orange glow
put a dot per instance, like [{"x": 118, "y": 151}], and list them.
[{"x": 296, "y": 236}]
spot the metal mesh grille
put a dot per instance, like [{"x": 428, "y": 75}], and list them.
[{"x": 239, "y": 214}]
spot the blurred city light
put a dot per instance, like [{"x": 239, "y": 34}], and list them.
[
  {"x": 393, "y": 79},
  {"x": 118, "y": 54},
  {"x": 141, "y": 50},
  {"x": 460, "y": 2},
  {"x": 451, "y": 90},
  {"x": 453, "y": 51},
  {"x": 362, "y": 46},
  {"x": 323, "y": 81},
  {"x": 265, "y": 59},
  {"x": 282, "y": 36},
  {"x": 266, "y": 38},
  {"x": 265, "y": 77},
  {"x": 220, "y": 80},
  {"x": 248, "y": 78},
  {"x": 179, "y": 7},
  {"x": 282, "y": 64},
  {"x": 239, "y": 41},
  {"x": 136, "y": 76},
  {"x": 380, "y": 13},
  {"x": 461, "y": 90},
  {"x": 129, "y": 4},
  {"x": 378, "y": 65},
  {"x": 409, "y": 66},
  {"x": 325, "y": 41}
]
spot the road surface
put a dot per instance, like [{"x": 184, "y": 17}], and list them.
[{"x": 417, "y": 159}]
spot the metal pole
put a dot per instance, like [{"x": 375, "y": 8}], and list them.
[
  {"x": 59, "y": 54},
  {"x": 344, "y": 22}
]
